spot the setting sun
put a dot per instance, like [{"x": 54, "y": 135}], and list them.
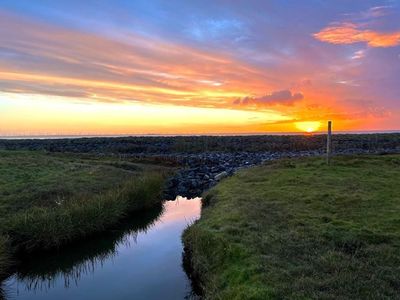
[{"x": 308, "y": 126}]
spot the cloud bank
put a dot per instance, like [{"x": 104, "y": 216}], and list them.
[{"x": 282, "y": 97}]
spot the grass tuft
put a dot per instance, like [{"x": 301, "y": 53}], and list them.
[{"x": 43, "y": 228}]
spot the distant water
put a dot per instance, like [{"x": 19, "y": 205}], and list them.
[{"x": 140, "y": 260}]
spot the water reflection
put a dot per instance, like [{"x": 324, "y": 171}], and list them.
[
  {"x": 140, "y": 259},
  {"x": 43, "y": 271}
]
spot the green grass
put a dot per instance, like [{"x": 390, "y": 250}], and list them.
[
  {"x": 47, "y": 200},
  {"x": 38, "y": 179},
  {"x": 298, "y": 229}
]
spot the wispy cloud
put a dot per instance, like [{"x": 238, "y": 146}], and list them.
[
  {"x": 378, "y": 11},
  {"x": 55, "y": 60},
  {"x": 374, "y": 12},
  {"x": 358, "y": 54},
  {"x": 215, "y": 28}
]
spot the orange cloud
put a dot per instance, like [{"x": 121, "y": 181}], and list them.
[{"x": 349, "y": 33}]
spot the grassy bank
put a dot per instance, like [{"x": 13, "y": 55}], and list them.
[
  {"x": 49, "y": 200},
  {"x": 300, "y": 229}
]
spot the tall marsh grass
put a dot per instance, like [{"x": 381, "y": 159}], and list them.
[
  {"x": 43, "y": 228},
  {"x": 4, "y": 257}
]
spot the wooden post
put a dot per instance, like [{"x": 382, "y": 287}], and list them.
[{"x": 329, "y": 143}]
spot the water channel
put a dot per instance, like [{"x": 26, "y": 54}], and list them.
[{"x": 140, "y": 259}]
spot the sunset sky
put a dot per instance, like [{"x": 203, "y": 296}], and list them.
[{"x": 183, "y": 67}]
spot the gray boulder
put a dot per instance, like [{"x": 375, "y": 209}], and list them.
[{"x": 221, "y": 175}]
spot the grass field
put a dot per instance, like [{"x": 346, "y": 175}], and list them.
[
  {"x": 47, "y": 200},
  {"x": 298, "y": 229}
]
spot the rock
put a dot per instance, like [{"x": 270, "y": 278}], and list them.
[
  {"x": 193, "y": 183},
  {"x": 221, "y": 175}
]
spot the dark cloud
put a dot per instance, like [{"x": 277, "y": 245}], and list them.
[{"x": 282, "y": 97}]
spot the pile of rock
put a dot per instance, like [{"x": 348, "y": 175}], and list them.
[{"x": 202, "y": 171}]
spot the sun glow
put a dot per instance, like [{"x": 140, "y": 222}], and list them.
[
  {"x": 308, "y": 127},
  {"x": 42, "y": 115}
]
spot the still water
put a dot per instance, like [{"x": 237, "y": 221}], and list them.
[{"x": 142, "y": 259}]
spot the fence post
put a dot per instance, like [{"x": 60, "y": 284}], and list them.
[{"x": 329, "y": 143}]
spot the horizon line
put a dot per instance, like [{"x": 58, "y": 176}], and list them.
[{"x": 71, "y": 136}]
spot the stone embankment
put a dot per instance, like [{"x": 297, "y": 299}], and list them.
[{"x": 201, "y": 171}]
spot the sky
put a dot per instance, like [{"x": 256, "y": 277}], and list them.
[{"x": 198, "y": 67}]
